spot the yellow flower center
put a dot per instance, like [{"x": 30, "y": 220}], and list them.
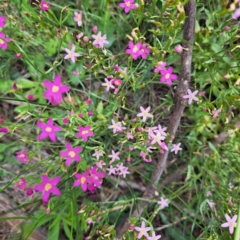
[
  {"x": 167, "y": 76},
  {"x": 135, "y": 49},
  {"x": 48, "y": 187},
  {"x": 83, "y": 179},
  {"x": 98, "y": 38},
  {"x": 71, "y": 154},
  {"x": 84, "y": 132},
  {"x": 79, "y": 17},
  {"x": 128, "y": 4},
  {"x": 191, "y": 96},
  {"x": 55, "y": 88},
  {"x": 20, "y": 182},
  {"x": 233, "y": 224},
  {"x": 22, "y": 155},
  {"x": 48, "y": 129},
  {"x": 1, "y": 41}
]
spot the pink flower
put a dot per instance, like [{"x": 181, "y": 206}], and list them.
[
  {"x": 160, "y": 66},
  {"x": 3, "y": 41},
  {"x": 144, "y": 51},
  {"x": 71, "y": 154},
  {"x": 168, "y": 76},
  {"x": 30, "y": 97},
  {"x": 54, "y": 90},
  {"x": 71, "y": 54},
  {"x": 79, "y": 35},
  {"x": 191, "y": 96},
  {"x": 127, "y": 5},
  {"x": 81, "y": 180},
  {"x": 100, "y": 40},
  {"x": 111, "y": 170},
  {"x": 48, "y": 186},
  {"x": 21, "y": 183},
  {"x": 116, "y": 82},
  {"x": 163, "y": 203},
  {"x": 29, "y": 192},
  {"x": 94, "y": 29},
  {"x": 115, "y": 126},
  {"x": 18, "y": 55},
  {"x": 2, "y": 20},
  {"x": 78, "y": 18},
  {"x": 4, "y": 130},
  {"x": 211, "y": 204},
  {"x": 44, "y": 5},
  {"x": 114, "y": 156},
  {"x": 215, "y": 113},
  {"x": 98, "y": 153},
  {"x": 134, "y": 49},
  {"x": 202, "y": 93},
  {"x": 84, "y": 133},
  {"x": 231, "y": 223},
  {"x": 75, "y": 72},
  {"x": 14, "y": 86},
  {"x": 178, "y": 48},
  {"x": 108, "y": 84},
  {"x": 22, "y": 156},
  {"x": 145, "y": 113},
  {"x": 48, "y": 130},
  {"x": 154, "y": 237},
  {"x": 176, "y": 148},
  {"x": 142, "y": 230},
  {"x": 227, "y": 28},
  {"x": 236, "y": 14}
]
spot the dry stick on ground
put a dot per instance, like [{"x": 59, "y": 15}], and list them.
[{"x": 181, "y": 90}]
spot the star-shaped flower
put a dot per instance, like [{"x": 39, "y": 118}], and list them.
[
  {"x": 100, "y": 40},
  {"x": 191, "y": 96},
  {"x": 114, "y": 156},
  {"x": 71, "y": 154},
  {"x": 108, "y": 84},
  {"x": 176, "y": 148},
  {"x": 142, "y": 230},
  {"x": 127, "y": 5},
  {"x": 84, "y": 133},
  {"x": 78, "y": 18},
  {"x": 71, "y": 54},
  {"x": 145, "y": 113},
  {"x": 231, "y": 223},
  {"x": 163, "y": 203},
  {"x": 154, "y": 237},
  {"x": 168, "y": 76},
  {"x": 48, "y": 130}
]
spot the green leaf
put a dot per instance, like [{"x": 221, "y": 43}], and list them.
[{"x": 54, "y": 229}]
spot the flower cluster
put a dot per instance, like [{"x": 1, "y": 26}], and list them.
[
  {"x": 3, "y": 39},
  {"x": 89, "y": 180},
  {"x": 143, "y": 231},
  {"x": 138, "y": 50}
]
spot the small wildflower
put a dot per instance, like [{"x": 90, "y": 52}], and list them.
[
  {"x": 215, "y": 113},
  {"x": 44, "y": 5},
  {"x": 98, "y": 153},
  {"x": 2, "y": 21},
  {"x": 236, "y": 14},
  {"x": 48, "y": 186},
  {"x": 65, "y": 120},
  {"x": 48, "y": 130},
  {"x": 55, "y": 90},
  {"x": 115, "y": 126},
  {"x": 144, "y": 51},
  {"x": 18, "y": 55},
  {"x": 114, "y": 156},
  {"x": 21, "y": 183},
  {"x": 227, "y": 28},
  {"x": 202, "y": 93},
  {"x": 134, "y": 49},
  {"x": 85, "y": 39},
  {"x": 94, "y": 29},
  {"x": 142, "y": 230},
  {"x": 178, "y": 49},
  {"x": 191, "y": 96},
  {"x": 71, "y": 154},
  {"x": 145, "y": 113},
  {"x": 78, "y": 18},
  {"x": 127, "y": 5},
  {"x": 71, "y": 54},
  {"x": 79, "y": 35},
  {"x": 29, "y": 192},
  {"x": 163, "y": 203},
  {"x": 100, "y": 40},
  {"x": 160, "y": 66},
  {"x": 111, "y": 170},
  {"x": 14, "y": 86},
  {"x": 30, "y": 97},
  {"x": 176, "y": 148},
  {"x": 231, "y": 223},
  {"x": 154, "y": 237},
  {"x": 4, "y": 130},
  {"x": 108, "y": 84},
  {"x": 3, "y": 41},
  {"x": 75, "y": 72},
  {"x": 208, "y": 193},
  {"x": 168, "y": 76},
  {"x": 84, "y": 133},
  {"x": 22, "y": 156},
  {"x": 211, "y": 204}
]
